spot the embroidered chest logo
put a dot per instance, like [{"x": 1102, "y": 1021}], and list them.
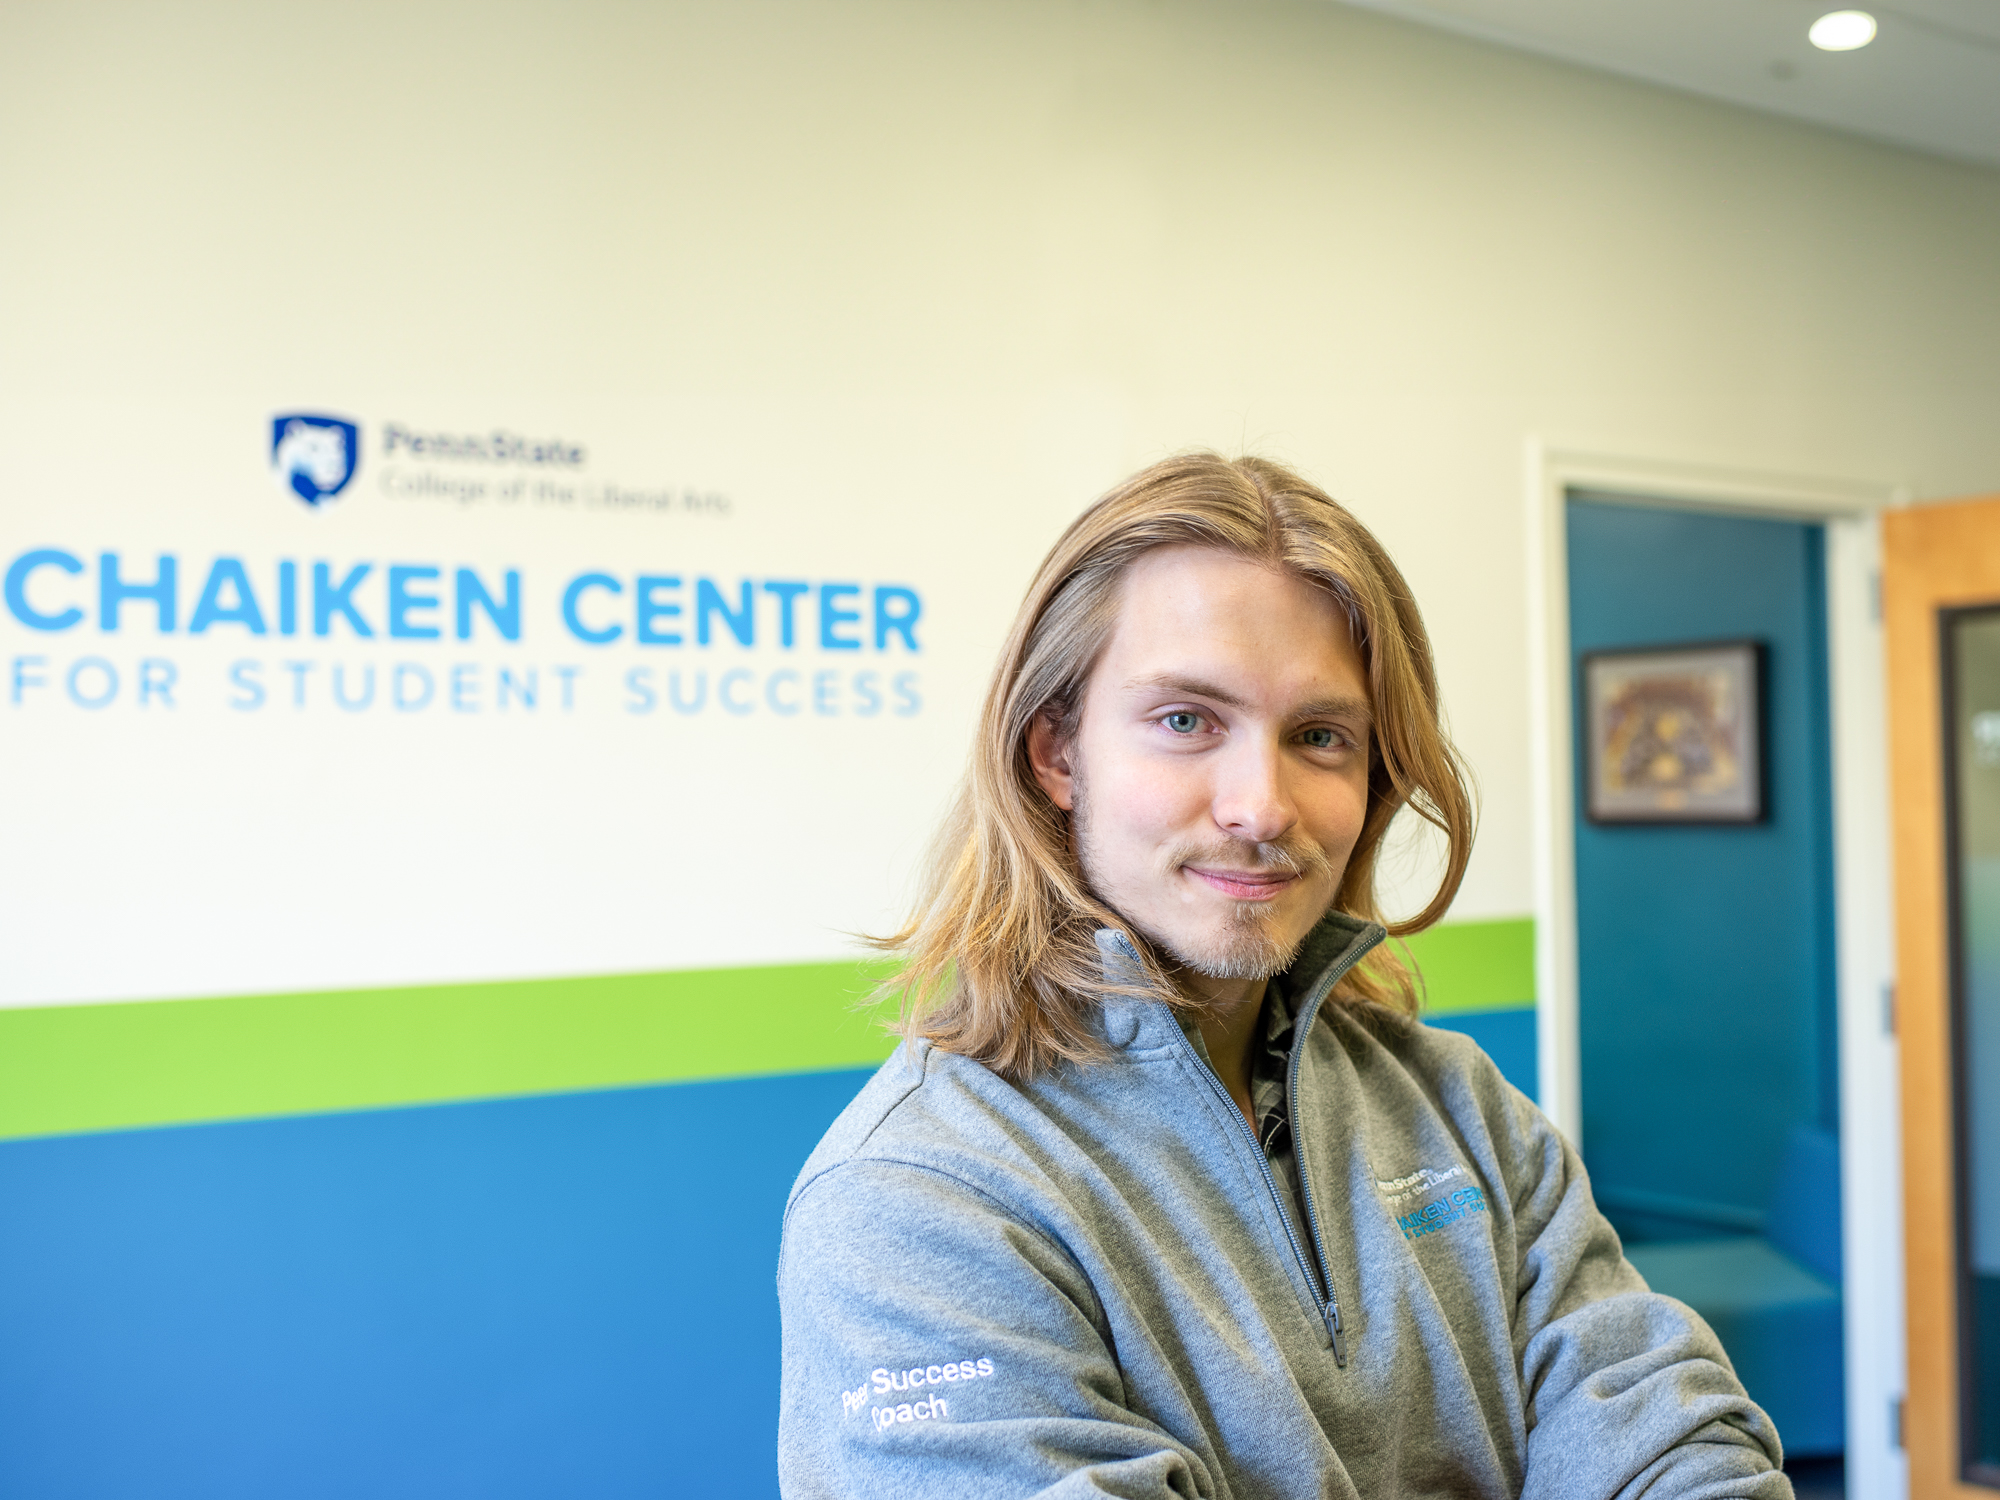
[{"x": 1429, "y": 1200}]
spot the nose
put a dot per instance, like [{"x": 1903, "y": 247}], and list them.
[{"x": 1253, "y": 801}]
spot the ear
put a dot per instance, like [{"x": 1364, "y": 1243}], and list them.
[{"x": 1050, "y": 758}]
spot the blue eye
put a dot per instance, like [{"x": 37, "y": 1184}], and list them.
[
  {"x": 1320, "y": 739},
  {"x": 1182, "y": 722}
]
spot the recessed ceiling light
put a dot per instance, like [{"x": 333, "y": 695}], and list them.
[{"x": 1842, "y": 31}]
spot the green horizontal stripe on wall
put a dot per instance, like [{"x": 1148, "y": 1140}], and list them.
[
  {"x": 66, "y": 1069},
  {"x": 1475, "y": 966},
  {"x": 71, "y": 1068}
]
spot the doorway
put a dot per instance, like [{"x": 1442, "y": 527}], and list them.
[{"x": 1849, "y": 515}]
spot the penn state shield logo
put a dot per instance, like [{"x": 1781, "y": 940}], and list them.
[{"x": 314, "y": 456}]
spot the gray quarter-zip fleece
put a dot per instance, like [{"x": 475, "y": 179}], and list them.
[{"x": 1090, "y": 1285}]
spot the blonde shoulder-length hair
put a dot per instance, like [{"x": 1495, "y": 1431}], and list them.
[{"x": 999, "y": 960}]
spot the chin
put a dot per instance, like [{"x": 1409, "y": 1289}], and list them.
[
  {"x": 1247, "y": 949},
  {"x": 1261, "y": 965}
]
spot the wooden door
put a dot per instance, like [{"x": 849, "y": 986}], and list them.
[{"x": 1940, "y": 564}]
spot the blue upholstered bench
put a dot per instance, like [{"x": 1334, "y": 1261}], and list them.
[{"x": 1774, "y": 1299}]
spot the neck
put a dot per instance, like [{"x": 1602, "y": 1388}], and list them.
[{"x": 1228, "y": 1020}]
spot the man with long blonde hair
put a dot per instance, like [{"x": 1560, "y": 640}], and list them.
[{"x": 1166, "y": 1192}]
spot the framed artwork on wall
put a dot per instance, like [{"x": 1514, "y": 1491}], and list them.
[{"x": 1674, "y": 734}]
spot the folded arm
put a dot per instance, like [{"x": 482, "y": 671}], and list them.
[{"x": 1627, "y": 1393}]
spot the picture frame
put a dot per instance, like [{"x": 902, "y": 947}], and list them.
[{"x": 1675, "y": 734}]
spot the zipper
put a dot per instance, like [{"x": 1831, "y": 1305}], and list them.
[
  {"x": 1322, "y": 1287},
  {"x": 1328, "y": 1310},
  {"x": 1303, "y": 1023}
]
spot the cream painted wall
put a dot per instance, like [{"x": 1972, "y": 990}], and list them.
[{"x": 1050, "y": 239}]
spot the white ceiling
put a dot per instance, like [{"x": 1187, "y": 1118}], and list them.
[{"x": 1930, "y": 80}]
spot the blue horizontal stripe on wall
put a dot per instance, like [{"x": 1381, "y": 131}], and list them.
[
  {"x": 1506, "y": 1036},
  {"x": 556, "y": 1296}
]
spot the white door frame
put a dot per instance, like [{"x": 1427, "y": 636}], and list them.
[{"x": 1870, "y": 1137}]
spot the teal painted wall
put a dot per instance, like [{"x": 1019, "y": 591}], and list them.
[{"x": 1705, "y": 954}]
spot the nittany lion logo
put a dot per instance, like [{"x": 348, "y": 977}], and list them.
[{"x": 314, "y": 457}]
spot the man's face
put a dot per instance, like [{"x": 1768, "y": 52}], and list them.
[{"x": 1219, "y": 771}]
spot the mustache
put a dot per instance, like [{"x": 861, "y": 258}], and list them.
[{"x": 1293, "y": 854}]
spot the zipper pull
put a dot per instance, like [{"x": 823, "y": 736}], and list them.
[{"x": 1333, "y": 1332}]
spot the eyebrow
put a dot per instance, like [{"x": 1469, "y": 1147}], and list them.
[{"x": 1194, "y": 687}]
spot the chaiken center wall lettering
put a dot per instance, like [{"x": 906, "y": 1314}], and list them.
[
  {"x": 313, "y": 698},
  {"x": 343, "y": 633}
]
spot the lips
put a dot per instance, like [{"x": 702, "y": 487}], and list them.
[{"x": 1247, "y": 885}]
